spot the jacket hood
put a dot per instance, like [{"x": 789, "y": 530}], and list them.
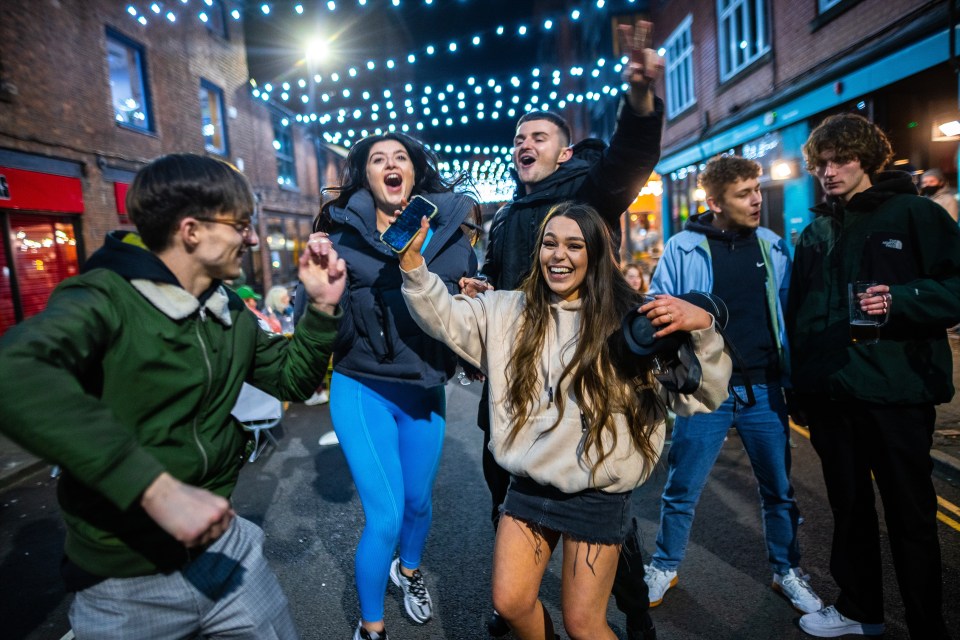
[
  {"x": 124, "y": 253},
  {"x": 585, "y": 154},
  {"x": 886, "y": 184},
  {"x": 703, "y": 223}
]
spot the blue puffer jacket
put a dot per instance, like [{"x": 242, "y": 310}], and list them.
[{"x": 378, "y": 338}]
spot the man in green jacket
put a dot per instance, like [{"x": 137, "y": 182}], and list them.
[
  {"x": 127, "y": 380},
  {"x": 870, "y": 407}
]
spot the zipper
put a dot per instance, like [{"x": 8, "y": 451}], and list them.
[{"x": 206, "y": 393}]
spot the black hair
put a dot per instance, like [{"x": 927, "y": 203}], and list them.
[
  {"x": 549, "y": 116},
  {"x": 353, "y": 178},
  {"x": 179, "y": 185}
]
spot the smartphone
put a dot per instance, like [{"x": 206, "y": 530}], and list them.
[{"x": 399, "y": 234}]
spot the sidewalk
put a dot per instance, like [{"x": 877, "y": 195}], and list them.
[{"x": 16, "y": 464}]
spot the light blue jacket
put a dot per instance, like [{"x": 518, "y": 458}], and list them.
[{"x": 686, "y": 266}]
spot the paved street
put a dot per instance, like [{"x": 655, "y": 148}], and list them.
[{"x": 306, "y": 501}]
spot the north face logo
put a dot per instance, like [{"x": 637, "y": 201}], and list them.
[{"x": 893, "y": 244}]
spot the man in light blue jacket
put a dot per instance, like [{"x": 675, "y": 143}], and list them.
[{"x": 726, "y": 252}]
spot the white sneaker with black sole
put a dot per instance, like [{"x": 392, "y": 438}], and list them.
[
  {"x": 830, "y": 623},
  {"x": 416, "y": 599},
  {"x": 794, "y": 585}
]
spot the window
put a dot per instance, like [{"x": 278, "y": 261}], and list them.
[
  {"x": 742, "y": 34},
  {"x": 212, "y": 122},
  {"x": 128, "y": 87},
  {"x": 285, "y": 238},
  {"x": 824, "y": 5},
  {"x": 283, "y": 146},
  {"x": 214, "y": 17},
  {"x": 679, "y": 56}
]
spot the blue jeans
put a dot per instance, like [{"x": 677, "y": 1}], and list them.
[
  {"x": 697, "y": 441},
  {"x": 391, "y": 434}
]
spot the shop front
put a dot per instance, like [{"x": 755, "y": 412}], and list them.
[{"x": 40, "y": 217}]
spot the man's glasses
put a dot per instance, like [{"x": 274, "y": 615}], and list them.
[{"x": 244, "y": 227}]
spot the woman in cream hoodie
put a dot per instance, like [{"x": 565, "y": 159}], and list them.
[{"x": 576, "y": 419}]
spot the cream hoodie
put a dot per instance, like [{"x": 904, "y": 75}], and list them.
[{"x": 483, "y": 330}]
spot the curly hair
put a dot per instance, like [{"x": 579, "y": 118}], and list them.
[
  {"x": 605, "y": 380},
  {"x": 850, "y": 137},
  {"x": 427, "y": 176},
  {"x": 726, "y": 169}
]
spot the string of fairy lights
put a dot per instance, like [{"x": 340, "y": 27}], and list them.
[{"x": 343, "y": 110}]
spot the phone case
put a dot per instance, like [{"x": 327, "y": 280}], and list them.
[{"x": 399, "y": 235}]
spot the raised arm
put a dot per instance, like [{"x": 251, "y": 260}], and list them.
[{"x": 624, "y": 166}]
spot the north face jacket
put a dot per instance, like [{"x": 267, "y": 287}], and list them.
[{"x": 890, "y": 235}]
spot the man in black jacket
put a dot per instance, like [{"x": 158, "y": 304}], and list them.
[
  {"x": 870, "y": 406},
  {"x": 608, "y": 178}
]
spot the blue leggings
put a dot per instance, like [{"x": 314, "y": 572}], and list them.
[{"x": 392, "y": 435}]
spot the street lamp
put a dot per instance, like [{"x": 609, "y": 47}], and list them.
[{"x": 317, "y": 50}]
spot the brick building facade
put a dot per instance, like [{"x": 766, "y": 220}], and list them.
[
  {"x": 755, "y": 76},
  {"x": 90, "y": 92}
]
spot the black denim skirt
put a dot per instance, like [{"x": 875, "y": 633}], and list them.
[{"x": 590, "y": 515}]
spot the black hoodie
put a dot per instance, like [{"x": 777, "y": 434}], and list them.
[{"x": 739, "y": 278}]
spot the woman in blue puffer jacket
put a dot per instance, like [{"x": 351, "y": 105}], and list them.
[{"x": 387, "y": 397}]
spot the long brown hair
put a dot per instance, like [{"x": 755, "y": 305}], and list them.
[{"x": 606, "y": 380}]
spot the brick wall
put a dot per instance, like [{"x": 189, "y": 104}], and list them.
[
  {"x": 54, "y": 53},
  {"x": 797, "y": 49}
]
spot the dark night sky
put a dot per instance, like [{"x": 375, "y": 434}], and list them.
[{"x": 381, "y": 31}]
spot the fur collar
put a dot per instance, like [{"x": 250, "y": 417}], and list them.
[{"x": 176, "y": 303}]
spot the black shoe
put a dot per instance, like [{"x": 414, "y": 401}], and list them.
[
  {"x": 497, "y": 626},
  {"x": 640, "y": 627},
  {"x": 650, "y": 633}
]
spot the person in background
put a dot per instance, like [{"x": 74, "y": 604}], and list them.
[
  {"x": 871, "y": 407},
  {"x": 934, "y": 185},
  {"x": 387, "y": 393},
  {"x": 635, "y": 277},
  {"x": 251, "y": 298},
  {"x": 127, "y": 379},
  {"x": 276, "y": 305},
  {"x": 549, "y": 171},
  {"x": 726, "y": 252},
  {"x": 576, "y": 418}
]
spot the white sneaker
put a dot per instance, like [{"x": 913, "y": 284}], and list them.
[
  {"x": 416, "y": 600},
  {"x": 658, "y": 583},
  {"x": 318, "y": 397},
  {"x": 795, "y": 587},
  {"x": 830, "y": 623},
  {"x": 329, "y": 438}
]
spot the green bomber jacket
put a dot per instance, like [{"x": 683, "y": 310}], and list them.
[{"x": 126, "y": 375}]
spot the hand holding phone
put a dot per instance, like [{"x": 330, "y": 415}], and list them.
[{"x": 399, "y": 234}]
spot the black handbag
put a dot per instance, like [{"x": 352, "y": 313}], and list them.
[{"x": 672, "y": 358}]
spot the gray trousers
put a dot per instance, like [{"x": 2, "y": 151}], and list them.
[{"x": 229, "y": 591}]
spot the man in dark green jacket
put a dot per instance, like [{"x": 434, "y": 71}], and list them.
[
  {"x": 127, "y": 380},
  {"x": 870, "y": 407}
]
